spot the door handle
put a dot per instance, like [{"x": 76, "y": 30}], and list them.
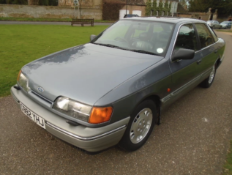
[{"x": 199, "y": 61}]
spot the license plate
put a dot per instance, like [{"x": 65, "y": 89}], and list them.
[{"x": 34, "y": 117}]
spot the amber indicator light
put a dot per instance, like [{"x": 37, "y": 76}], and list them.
[
  {"x": 100, "y": 115},
  {"x": 18, "y": 75}
]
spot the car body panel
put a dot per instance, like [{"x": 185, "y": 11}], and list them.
[
  {"x": 75, "y": 68},
  {"x": 138, "y": 89},
  {"x": 145, "y": 79},
  {"x": 184, "y": 71},
  {"x": 221, "y": 48},
  {"x": 90, "y": 139}
]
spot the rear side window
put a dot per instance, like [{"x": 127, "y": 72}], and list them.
[
  {"x": 205, "y": 36},
  {"x": 186, "y": 38}
]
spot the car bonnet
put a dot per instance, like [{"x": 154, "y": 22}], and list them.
[{"x": 85, "y": 73}]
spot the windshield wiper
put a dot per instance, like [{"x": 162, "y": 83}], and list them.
[
  {"x": 143, "y": 51},
  {"x": 108, "y": 45},
  {"x": 113, "y": 46}
]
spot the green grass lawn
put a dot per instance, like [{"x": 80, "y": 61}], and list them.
[
  {"x": 223, "y": 30},
  {"x": 228, "y": 165},
  {"x": 20, "y": 44}
]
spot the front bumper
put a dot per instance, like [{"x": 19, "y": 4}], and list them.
[{"x": 89, "y": 139}]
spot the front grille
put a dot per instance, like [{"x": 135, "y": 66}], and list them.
[{"x": 41, "y": 97}]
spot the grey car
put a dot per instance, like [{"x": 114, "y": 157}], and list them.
[
  {"x": 112, "y": 90},
  {"x": 214, "y": 24},
  {"x": 226, "y": 24},
  {"x": 130, "y": 15}
]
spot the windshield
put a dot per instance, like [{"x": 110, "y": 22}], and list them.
[
  {"x": 225, "y": 22},
  {"x": 139, "y": 36}
]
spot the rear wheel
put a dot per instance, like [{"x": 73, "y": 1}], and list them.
[
  {"x": 140, "y": 126},
  {"x": 209, "y": 81}
]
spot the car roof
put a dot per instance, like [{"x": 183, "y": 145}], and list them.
[{"x": 166, "y": 19}]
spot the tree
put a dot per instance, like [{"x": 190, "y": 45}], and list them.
[
  {"x": 48, "y": 2},
  {"x": 148, "y": 8},
  {"x": 182, "y": 2},
  {"x": 33, "y": 2},
  {"x": 21, "y": 2},
  {"x": 198, "y": 5},
  {"x": 223, "y": 6}
]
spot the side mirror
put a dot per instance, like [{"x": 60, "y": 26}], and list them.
[
  {"x": 92, "y": 37},
  {"x": 183, "y": 54}
]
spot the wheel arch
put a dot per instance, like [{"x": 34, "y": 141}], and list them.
[
  {"x": 217, "y": 63},
  {"x": 157, "y": 101}
]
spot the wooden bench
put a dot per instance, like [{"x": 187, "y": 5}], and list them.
[{"x": 82, "y": 22}]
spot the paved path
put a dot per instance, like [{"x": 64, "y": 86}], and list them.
[
  {"x": 228, "y": 33},
  {"x": 192, "y": 139},
  {"x": 49, "y": 23}
]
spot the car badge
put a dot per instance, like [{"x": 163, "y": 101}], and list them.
[{"x": 40, "y": 89}]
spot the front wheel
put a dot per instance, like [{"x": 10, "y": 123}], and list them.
[
  {"x": 140, "y": 126},
  {"x": 209, "y": 81}
]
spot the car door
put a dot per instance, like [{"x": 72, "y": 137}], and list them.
[
  {"x": 209, "y": 50},
  {"x": 185, "y": 73}
]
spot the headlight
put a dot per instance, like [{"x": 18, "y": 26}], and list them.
[
  {"x": 23, "y": 81},
  {"x": 72, "y": 108},
  {"x": 94, "y": 115}
]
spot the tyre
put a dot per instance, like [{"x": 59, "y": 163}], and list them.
[
  {"x": 140, "y": 126},
  {"x": 209, "y": 81}
]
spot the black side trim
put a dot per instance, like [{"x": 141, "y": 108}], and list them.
[{"x": 17, "y": 87}]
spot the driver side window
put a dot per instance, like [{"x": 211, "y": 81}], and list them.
[{"x": 186, "y": 38}]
